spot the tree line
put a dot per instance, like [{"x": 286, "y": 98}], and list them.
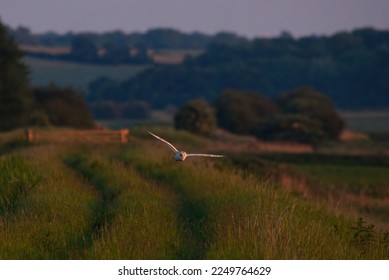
[
  {"x": 351, "y": 68},
  {"x": 118, "y": 47},
  {"x": 253, "y": 86},
  {"x": 302, "y": 114},
  {"x": 22, "y": 105},
  {"x": 157, "y": 38}
]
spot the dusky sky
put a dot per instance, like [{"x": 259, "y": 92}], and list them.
[{"x": 250, "y": 18}]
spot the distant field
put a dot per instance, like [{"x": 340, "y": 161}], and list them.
[
  {"x": 44, "y": 49},
  {"x": 173, "y": 56},
  {"x": 63, "y": 73},
  {"x": 44, "y": 72},
  {"x": 358, "y": 184},
  {"x": 367, "y": 121},
  {"x": 364, "y": 188}
]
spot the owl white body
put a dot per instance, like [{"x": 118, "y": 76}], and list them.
[{"x": 181, "y": 155}]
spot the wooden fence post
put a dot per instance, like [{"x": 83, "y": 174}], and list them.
[
  {"x": 124, "y": 135},
  {"x": 29, "y": 134}
]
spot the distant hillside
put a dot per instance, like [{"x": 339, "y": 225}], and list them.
[
  {"x": 79, "y": 76},
  {"x": 351, "y": 68},
  {"x": 161, "y": 46},
  {"x": 55, "y": 54},
  {"x": 156, "y": 39}
]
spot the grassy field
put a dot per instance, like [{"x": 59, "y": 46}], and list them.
[
  {"x": 356, "y": 185},
  {"x": 369, "y": 121},
  {"x": 77, "y": 75},
  {"x": 133, "y": 201},
  {"x": 61, "y": 73}
]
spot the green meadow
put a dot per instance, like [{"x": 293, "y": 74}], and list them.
[
  {"x": 133, "y": 201},
  {"x": 76, "y": 75}
]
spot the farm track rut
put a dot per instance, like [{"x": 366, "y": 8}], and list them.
[
  {"x": 102, "y": 215},
  {"x": 189, "y": 215},
  {"x": 190, "y": 212},
  {"x": 15, "y": 187}
]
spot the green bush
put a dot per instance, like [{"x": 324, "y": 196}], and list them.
[
  {"x": 315, "y": 106},
  {"x": 241, "y": 111},
  {"x": 63, "y": 106},
  {"x": 197, "y": 117},
  {"x": 290, "y": 128}
]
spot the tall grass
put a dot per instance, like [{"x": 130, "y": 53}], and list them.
[
  {"x": 16, "y": 180},
  {"x": 231, "y": 216},
  {"x": 371, "y": 180},
  {"x": 135, "y": 202},
  {"x": 55, "y": 215},
  {"x": 138, "y": 218}
]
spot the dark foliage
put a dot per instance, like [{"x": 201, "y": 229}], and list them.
[
  {"x": 240, "y": 111},
  {"x": 116, "y": 54},
  {"x": 158, "y": 38},
  {"x": 351, "y": 68},
  {"x": 15, "y": 98},
  {"x": 197, "y": 117},
  {"x": 303, "y": 115},
  {"x": 108, "y": 110},
  {"x": 313, "y": 105},
  {"x": 83, "y": 49},
  {"x": 298, "y": 128},
  {"x": 63, "y": 106},
  {"x": 136, "y": 110},
  {"x": 22, "y": 106},
  {"x": 117, "y": 46},
  {"x": 105, "y": 89}
]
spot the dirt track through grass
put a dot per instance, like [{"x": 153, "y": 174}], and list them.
[
  {"x": 191, "y": 232},
  {"x": 192, "y": 215},
  {"x": 135, "y": 202},
  {"x": 135, "y": 218},
  {"x": 107, "y": 196}
]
